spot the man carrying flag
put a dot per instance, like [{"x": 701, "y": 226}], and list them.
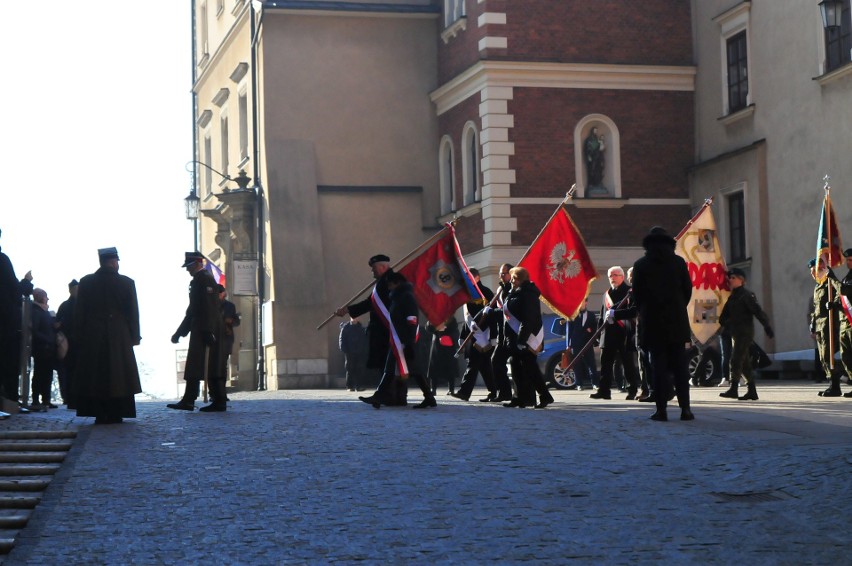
[{"x": 844, "y": 305}]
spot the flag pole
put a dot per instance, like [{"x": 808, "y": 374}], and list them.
[
  {"x": 416, "y": 250},
  {"x": 568, "y": 196},
  {"x": 707, "y": 202},
  {"x": 827, "y": 209}
]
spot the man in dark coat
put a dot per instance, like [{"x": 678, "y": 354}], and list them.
[
  {"x": 65, "y": 324},
  {"x": 378, "y": 336},
  {"x": 11, "y": 293},
  {"x": 402, "y": 356},
  {"x": 352, "y": 341},
  {"x": 661, "y": 292},
  {"x": 613, "y": 339},
  {"x": 43, "y": 351},
  {"x": 737, "y": 318},
  {"x": 484, "y": 330},
  {"x": 524, "y": 338},
  {"x": 203, "y": 322},
  {"x": 501, "y": 355},
  {"x": 106, "y": 324}
]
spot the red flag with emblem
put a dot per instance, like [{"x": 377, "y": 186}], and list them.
[
  {"x": 441, "y": 280},
  {"x": 560, "y": 266}
]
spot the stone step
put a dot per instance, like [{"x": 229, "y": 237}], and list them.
[
  {"x": 31, "y": 457},
  {"x": 19, "y": 501},
  {"x": 35, "y": 446},
  {"x": 7, "y": 470},
  {"x": 23, "y": 485},
  {"x": 14, "y": 518},
  {"x": 34, "y": 434},
  {"x": 7, "y": 543}
]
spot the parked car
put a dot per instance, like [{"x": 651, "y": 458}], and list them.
[
  {"x": 705, "y": 364},
  {"x": 551, "y": 360}
]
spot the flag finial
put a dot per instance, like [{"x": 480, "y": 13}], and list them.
[{"x": 826, "y": 179}]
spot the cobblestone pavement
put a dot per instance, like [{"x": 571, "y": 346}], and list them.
[{"x": 315, "y": 477}]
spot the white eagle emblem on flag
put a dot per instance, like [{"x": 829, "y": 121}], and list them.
[{"x": 562, "y": 265}]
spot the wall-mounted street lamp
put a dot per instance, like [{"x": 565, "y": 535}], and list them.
[
  {"x": 832, "y": 13},
  {"x": 192, "y": 202}
]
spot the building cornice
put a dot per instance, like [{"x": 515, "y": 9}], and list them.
[{"x": 561, "y": 75}]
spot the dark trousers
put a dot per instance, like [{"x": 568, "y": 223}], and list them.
[
  {"x": 528, "y": 378},
  {"x": 10, "y": 371},
  {"x": 740, "y": 358},
  {"x": 388, "y": 389},
  {"x": 646, "y": 375},
  {"x": 500, "y": 369},
  {"x": 355, "y": 363},
  {"x": 42, "y": 377},
  {"x": 478, "y": 362},
  {"x": 669, "y": 364},
  {"x": 628, "y": 363},
  {"x": 586, "y": 368}
]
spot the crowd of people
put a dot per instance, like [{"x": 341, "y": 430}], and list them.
[
  {"x": 642, "y": 328},
  {"x": 89, "y": 342}
]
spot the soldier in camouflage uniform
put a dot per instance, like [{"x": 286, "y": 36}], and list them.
[{"x": 738, "y": 319}]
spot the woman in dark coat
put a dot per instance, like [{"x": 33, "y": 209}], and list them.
[
  {"x": 524, "y": 338},
  {"x": 106, "y": 324}
]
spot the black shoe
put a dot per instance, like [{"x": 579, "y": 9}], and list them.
[
  {"x": 831, "y": 392},
  {"x": 750, "y": 396},
  {"x": 601, "y": 395},
  {"x": 631, "y": 396},
  {"x": 372, "y": 400},
  {"x": 660, "y": 416},
  {"x": 515, "y": 402},
  {"x": 214, "y": 408},
  {"x": 648, "y": 399},
  {"x": 426, "y": 404},
  {"x": 502, "y": 398},
  {"x": 182, "y": 406},
  {"x": 730, "y": 394},
  {"x": 459, "y": 396},
  {"x": 544, "y": 403},
  {"x": 491, "y": 397},
  {"x": 686, "y": 415},
  {"x": 848, "y": 394}
]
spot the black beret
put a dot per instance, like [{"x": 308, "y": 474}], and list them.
[
  {"x": 737, "y": 272},
  {"x": 847, "y": 252},
  {"x": 812, "y": 263},
  {"x": 378, "y": 258}
]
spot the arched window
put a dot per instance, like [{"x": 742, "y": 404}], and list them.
[
  {"x": 470, "y": 165},
  {"x": 445, "y": 170}
]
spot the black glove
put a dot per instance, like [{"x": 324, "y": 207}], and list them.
[
  {"x": 769, "y": 332},
  {"x": 175, "y": 338},
  {"x": 209, "y": 338}
]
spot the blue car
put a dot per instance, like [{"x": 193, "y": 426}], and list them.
[{"x": 550, "y": 360}]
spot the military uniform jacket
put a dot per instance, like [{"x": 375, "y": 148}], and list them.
[
  {"x": 841, "y": 289},
  {"x": 203, "y": 316},
  {"x": 739, "y": 313},
  {"x": 106, "y": 325}
]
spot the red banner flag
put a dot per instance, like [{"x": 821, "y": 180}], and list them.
[
  {"x": 828, "y": 246},
  {"x": 441, "y": 280},
  {"x": 560, "y": 266}
]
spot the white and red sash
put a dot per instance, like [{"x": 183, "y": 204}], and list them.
[
  {"x": 534, "y": 342},
  {"x": 395, "y": 343},
  {"x": 608, "y": 304},
  {"x": 847, "y": 307},
  {"x": 481, "y": 338}
]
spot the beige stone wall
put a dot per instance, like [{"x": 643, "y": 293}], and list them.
[{"x": 805, "y": 124}]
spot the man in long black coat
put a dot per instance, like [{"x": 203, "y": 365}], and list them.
[
  {"x": 106, "y": 325},
  {"x": 661, "y": 292},
  {"x": 203, "y": 322},
  {"x": 11, "y": 292},
  {"x": 378, "y": 336}
]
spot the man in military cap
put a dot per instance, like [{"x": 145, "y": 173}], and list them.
[
  {"x": 841, "y": 295},
  {"x": 737, "y": 318},
  {"x": 377, "y": 334},
  {"x": 203, "y": 322},
  {"x": 106, "y": 326}
]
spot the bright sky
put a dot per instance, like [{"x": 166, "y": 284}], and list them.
[{"x": 96, "y": 134}]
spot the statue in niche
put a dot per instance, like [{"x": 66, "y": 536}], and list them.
[{"x": 593, "y": 154}]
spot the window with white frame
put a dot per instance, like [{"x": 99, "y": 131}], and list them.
[
  {"x": 242, "y": 104},
  {"x": 838, "y": 41},
  {"x": 736, "y": 227},
  {"x": 453, "y": 11},
  {"x": 223, "y": 137},
  {"x": 445, "y": 170},
  {"x": 202, "y": 30},
  {"x": 470, "y": 165},
  {"x": 734, "y": 26},
  {"x": 206, "y": 158}
]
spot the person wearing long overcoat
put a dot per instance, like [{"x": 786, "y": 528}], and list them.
[
  {"x": 661, "y": 292},
  {"x": 204, "y": 325},
  {"x": 106, "y": 325}
]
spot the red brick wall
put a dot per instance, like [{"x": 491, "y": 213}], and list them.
[
  {"x": 656, "y": 139},
  {"x": 462, "y": 51}
]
